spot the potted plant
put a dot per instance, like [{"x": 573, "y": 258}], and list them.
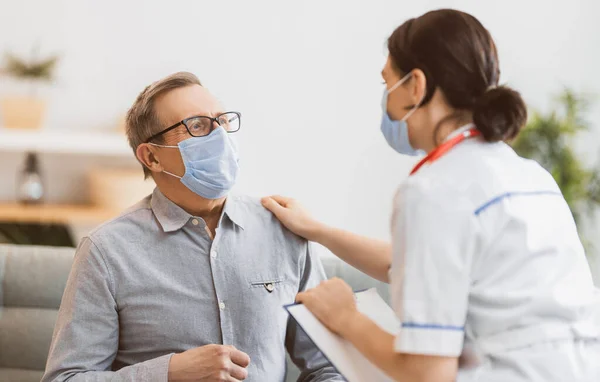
[
  {"x": 548, "y": 138},
  {"x": 26, "y": 110}
]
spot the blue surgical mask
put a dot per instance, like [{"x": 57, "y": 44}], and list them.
[
  {"x": 396, "y": 132},
  {"x": 211, "y": 163}
]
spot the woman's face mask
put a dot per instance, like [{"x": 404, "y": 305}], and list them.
[
  {"x": 211, "y": 163},
  {"x": 396, "y": 132}
]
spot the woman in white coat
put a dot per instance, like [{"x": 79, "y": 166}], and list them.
[{"x": 483, "y": 243}]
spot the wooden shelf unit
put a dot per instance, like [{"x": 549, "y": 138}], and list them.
[
  {"x": 54, "y": 214},
  {"x": 58, "y": 141}
]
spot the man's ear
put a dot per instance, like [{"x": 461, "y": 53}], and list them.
[{"x": 147, "y": 156}]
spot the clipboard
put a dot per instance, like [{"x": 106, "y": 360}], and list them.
[{"x": 347, "y": 360}]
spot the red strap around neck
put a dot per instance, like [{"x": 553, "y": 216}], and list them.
[{"x": 445, "y": 147}]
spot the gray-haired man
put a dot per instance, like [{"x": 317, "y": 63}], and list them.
[{"x": 189, "y": 284}]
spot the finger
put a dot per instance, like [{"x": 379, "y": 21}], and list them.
[
  {"x": 231, "y": 349},
  {"x": 239, "y": 358},
  {"x": 270, "y": 204},
  {"x": 302, "y": 297},
  {"x": 310, "y": 302},
  {"x": 237, "y": 373},
  {"x": 283, "y": 200}
]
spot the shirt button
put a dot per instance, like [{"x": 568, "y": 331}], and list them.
[
  {"x": 221, "y": 305},
  {"x": 195, "y": 222},
  {"x": 214, "y": 254}
]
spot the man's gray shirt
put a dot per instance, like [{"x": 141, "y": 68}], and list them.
[{"x": 152, "y": 282}]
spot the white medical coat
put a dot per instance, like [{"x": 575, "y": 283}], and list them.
[{"x": 485, "y": 247}]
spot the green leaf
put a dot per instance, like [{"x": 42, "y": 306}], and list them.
[{"x": 35, "y": 69}]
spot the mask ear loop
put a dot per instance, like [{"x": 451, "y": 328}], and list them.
[
  {"x": 168, "y": 147},
  {"x": 170, "y": 173},
  {"x": 165, "y": 146},
  {"x": 396, "y": 86},
  {"x": 411, "y": 111},
  {"x": 400, "y": 82}
]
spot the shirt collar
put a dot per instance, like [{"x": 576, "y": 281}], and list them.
[
  {"x": 233, "y": 210},
  {"x": 172, "y": 217}
]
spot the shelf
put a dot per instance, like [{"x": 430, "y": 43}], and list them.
[
  {"x": 54, "y": 214},
  {"x": 64, "y": 142}
]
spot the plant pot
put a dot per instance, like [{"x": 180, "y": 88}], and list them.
[{"x": 22, "y": 112}]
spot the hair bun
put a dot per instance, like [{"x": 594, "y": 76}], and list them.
[{"x": 499, "y": 114}]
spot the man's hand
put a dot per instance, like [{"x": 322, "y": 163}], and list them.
[{"x": 210, "y": 363}]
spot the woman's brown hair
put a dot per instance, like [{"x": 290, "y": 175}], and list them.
[{"x": 458, "y": 56}]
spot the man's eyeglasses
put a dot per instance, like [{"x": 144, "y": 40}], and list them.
[{"x": 200, "y": 126}]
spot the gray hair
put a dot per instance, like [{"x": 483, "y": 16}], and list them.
[{"x": 142, "y": 121}]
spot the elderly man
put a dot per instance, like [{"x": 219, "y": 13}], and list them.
[{"x": 190, "y": 283}]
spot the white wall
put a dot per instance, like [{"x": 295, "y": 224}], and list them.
[{"x": 304, "y": 74}]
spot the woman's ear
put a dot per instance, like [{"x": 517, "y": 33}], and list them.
[
  {"x": 146, "y": 155},
  {"x": 419, "y": 86}
]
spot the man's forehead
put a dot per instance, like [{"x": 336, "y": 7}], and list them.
[{"x": 178, "y": 104}]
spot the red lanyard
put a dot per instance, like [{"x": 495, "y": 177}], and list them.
[{"x": 445, "y": 147}]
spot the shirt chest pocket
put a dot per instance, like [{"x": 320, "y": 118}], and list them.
[
  {"x": 272, "y": 290},
  {"x": 264, "y": 299}
]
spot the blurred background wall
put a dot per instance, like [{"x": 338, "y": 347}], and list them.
[{"x": 304, "y": 74}]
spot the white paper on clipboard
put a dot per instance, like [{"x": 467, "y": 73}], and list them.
[{"x": 342, "y": 354}]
